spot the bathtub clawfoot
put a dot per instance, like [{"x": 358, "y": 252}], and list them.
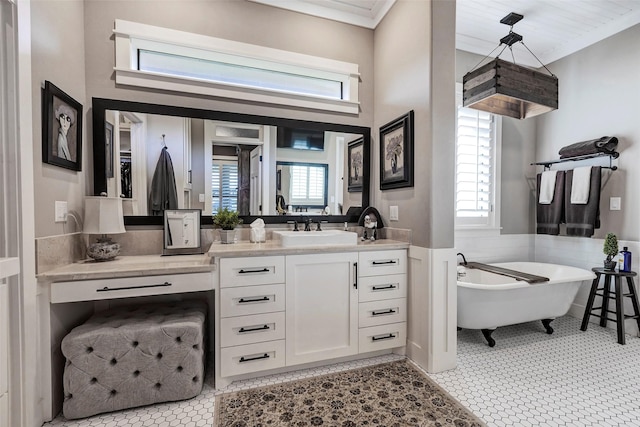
[
  {"x": 547, "y": 325},
  {"x": 487, "y": 335}
]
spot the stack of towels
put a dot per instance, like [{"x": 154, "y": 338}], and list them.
[
  {"x": 571, "y": 197},
  {"x": 606, "y": 144}
]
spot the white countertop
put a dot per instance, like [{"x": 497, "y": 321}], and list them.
[
  {"x": 151, "y": 265},
  {"x": 130, "y": 266},
  {"x": 273, "y": 247}
]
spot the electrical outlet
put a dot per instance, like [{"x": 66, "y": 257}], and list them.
[
  {"x": 201, "y": 198},
  {"x": 393, "y": 213},
  {"x": 615, "y": 203},
  {"x": 60, "y": 211}
]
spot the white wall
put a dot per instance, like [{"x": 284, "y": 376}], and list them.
[{"x": 598, "y": 95}]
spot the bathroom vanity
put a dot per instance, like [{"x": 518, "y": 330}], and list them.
[{"x": 271, "y": 308}]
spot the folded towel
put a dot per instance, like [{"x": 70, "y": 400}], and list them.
[
  {"x": 606, "y": 144},
  {"x": 582, "y": 220},
  {"x": 547, "y": 187},
  {"x": 580, "y": 185},
  {"x": 549, "y": 217}
]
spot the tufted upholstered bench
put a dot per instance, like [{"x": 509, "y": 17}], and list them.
[{"x": 133, "y": 356}]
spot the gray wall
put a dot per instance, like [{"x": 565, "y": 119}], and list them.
[
  {"x": 517, "y": 210},
  {"x": 405, "y": 73},
  {"x": 599, "y": 89},
  {"x": 57, "y": 55}
]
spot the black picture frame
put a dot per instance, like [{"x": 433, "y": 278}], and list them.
[
  {"x": 108, "y": 133},
  {"x": 396, "y": 153},
  {"x": 355, "y": 158},
  {"x": 58, "y": 148}
]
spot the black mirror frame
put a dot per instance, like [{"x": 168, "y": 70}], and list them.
[{"x": 101, "y": 105}]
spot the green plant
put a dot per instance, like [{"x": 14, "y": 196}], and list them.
[
  {"x": 226, "y": 219},
  {"x": 610, "y": 248}
]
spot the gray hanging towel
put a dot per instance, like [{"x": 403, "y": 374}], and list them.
[
  {"x": 583, "y": 219},
  {"x": 163, "y": 194},
  {"x": 549, "y": 216}
]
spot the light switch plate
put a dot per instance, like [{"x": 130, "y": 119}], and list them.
[
  {"x": 61, "y": 211},
  {"x": 615, "y": 203},
  {"x": 201, "y": 198},
  {"x": 393, "y": 213}
]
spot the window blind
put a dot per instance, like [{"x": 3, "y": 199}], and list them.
[
  {"x": 224, "y": 186},
  {"x": 474, "y": 151}
]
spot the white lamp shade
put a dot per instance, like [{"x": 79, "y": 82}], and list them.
[{"x": 103, "y": 215}]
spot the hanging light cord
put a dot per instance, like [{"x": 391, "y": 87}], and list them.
[{"x": 512, "y": 56}]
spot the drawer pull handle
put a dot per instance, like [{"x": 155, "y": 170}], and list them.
[
  {"x": 380, "y": 313},
  {"x": 264, "y": 270},
  {"x": 391, "y": 261},
  {"x": 383, "y": 288},
  {"x": 249, "y": 359},
  {"x": 384, "y": 337},
  {"x": 243, "y": 301},
  {"x": 157, "y": 285},
  {"x": 355, "y": 276},
  {"x": 259, "y": 328}
]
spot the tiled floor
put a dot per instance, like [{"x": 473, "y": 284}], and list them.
[{"x": 570, "y": 378}]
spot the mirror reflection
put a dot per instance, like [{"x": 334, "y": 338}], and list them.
[
  {"x": 256, "y": 169},
  {"x": 181, "y": 231}
]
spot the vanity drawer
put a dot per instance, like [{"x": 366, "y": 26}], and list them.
[
  {"x": 251, "y": 300},
  {"x": 251, "y": 271},
  {"x": 251, "y": 329},
  {"x": 382, "y": 262},
  {"x": 374, "y": 288},
  {"x": 382, "y": 312},
  {"x": 382, "y": 337},
  {"x": 126, "y": 287},
  {"x": 244, "y": 359}
]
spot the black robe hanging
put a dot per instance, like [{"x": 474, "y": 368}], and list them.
[{"x": 163, "y": 194}]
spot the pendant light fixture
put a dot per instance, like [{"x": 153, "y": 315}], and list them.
[{"x": 509, "y": 89}]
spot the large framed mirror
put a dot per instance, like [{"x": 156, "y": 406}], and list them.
[{"x": 223, "y": 159}]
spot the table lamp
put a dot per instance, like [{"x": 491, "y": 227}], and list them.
[{"x": 103, "y": 215}]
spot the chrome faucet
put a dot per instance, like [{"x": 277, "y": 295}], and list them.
[{"x": 464, "y": 260}]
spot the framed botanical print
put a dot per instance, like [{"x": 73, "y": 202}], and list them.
[{"x": 396, "y": 153}]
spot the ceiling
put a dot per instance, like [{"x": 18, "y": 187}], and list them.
[{"x": 551, "y": 29}]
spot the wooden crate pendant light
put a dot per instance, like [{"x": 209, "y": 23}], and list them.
[{"x": 509, "y": 89}]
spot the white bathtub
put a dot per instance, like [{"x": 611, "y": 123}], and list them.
[{"x": 487, "y": 300}]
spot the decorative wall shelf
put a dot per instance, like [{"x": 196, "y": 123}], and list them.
[{"x": 612, "y": 155}]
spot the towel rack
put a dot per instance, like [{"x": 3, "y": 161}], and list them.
[{"x": 612, "y": 155}]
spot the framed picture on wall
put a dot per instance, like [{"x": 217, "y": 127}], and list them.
[
  {"x": 61, "y": 128},
  {"x": 355, "y": 156},
  {"x": 108, "y": 145},
  {"x": 396, "y": 153}
]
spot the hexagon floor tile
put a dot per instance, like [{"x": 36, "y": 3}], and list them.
[{"x": 570, "y": 378}]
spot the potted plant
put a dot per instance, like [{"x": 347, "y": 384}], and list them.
[
  {"x": 227, "y": 220},
  {"x": 610, "y": 249}
]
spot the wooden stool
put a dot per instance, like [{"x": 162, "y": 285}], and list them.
[{"x": 606, "y": 295}]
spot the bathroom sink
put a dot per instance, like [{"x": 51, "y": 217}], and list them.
[{"x": 290, "y": 239}]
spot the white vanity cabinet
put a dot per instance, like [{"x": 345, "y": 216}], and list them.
[
  {"x": 322, "y": 307},
  {"x": 252, "y": 317},
  {"x": 382, "y": 278}
]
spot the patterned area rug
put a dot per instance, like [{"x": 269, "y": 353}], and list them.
[{"x": 392, "y": 394}]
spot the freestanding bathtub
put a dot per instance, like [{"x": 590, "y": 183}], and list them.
[{"x": 487, "y": 301}]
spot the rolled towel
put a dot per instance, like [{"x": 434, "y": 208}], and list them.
[
  {"x": 547, "y": 187},
  {"x": 580, "y": 185},
  {"x": 606, "y": 144}
]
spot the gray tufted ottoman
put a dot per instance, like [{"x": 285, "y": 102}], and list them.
[{"x": 134, "y": 356}]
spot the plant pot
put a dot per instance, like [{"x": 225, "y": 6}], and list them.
[
  {"x": 227, "y": 236},
  {"x": 610, "y": 265}
]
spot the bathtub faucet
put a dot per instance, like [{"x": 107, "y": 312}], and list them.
[{"x": 464, "y": 260}]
